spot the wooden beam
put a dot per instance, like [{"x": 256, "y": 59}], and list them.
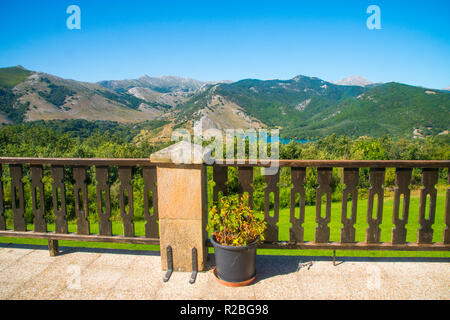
[
  {"x": 352, "y": 246},
  {"x": 77, "y": 237}
]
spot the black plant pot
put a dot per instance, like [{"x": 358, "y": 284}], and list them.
[{"x": 236, "y": 266}]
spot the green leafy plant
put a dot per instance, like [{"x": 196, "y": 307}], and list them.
[{"x": 234, "y": 223}]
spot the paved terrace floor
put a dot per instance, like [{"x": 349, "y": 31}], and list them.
[{"x": 28, "y": 272}]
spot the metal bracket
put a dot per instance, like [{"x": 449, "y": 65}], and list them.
[
  {"x": 169, "y": 264},
  {"x": 194, "y": 266},
  {"x": 334, "y": 259}
]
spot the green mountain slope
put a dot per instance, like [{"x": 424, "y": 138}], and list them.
[
  {"x": 10, "y": 77},
  {"x": 28, "y": 96},
  {"x": 393, "y": 108},
  {"x": 11, "y": 110},
  {"x": 287, "y": 103},
  {"x": 306, "y": 107},
  {"x": 277, "y": 103}
]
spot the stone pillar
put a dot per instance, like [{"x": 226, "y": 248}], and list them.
[{"x": 182, "y": 209}]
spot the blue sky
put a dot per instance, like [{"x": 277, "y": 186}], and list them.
[{"x": 230, "y": 40}]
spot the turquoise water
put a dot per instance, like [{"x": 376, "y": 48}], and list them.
[{"x": 286, "y": 141}]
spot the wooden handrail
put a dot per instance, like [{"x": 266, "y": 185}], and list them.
[
  {"x": 338, "y": 163},
  {"x": 234, "y": 162}
]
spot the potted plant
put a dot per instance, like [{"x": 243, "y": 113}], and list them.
[{"x": 235, "y": 231}]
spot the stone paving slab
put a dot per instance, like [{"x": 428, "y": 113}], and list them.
[{"x": 28, "y": 272}]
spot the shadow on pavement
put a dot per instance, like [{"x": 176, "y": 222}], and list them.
[
  {"x": 67, "y": 250},
  {"x": 268, "y": 266}
]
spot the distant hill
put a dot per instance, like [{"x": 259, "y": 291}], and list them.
[
  {"x": 392, "y": 108},
  {"x": 10, "y": 77},
  {"x": 302, "y": 107},
  {"x": 165, "y": 91},
  {"x": 27, "y": 95},
  {"x": 310, "y": 107},
  {"x": 286, "y": 103},
  {"x": 163, "y": 84}
]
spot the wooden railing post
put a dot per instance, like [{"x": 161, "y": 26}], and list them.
[
  {"x": 126, "y": 201},
  {"x": 272, "y": 186},
  {"x": 447, "y": 211},
  {"x": 53, "y": 247},
  {"x": 150, "y": 185},
  {"x": 220, "y": 175},
  {"x": 429, "y": 180},
  {"x": 298, "y": 177},
  {"x": 376, "y": 177},
  {"x": 350, "y": 180},
  {"x": 245, "y": 183},
  {"x": 59, "y": 199},
  {"x": 81, "y": 205},
  {"x": 324, "y": 176},
  {"x": 104, "y": 213},
  {"x": 17, "y": 197},
  {"x": 2, "y": 202},
  {"x": 37, "y": 196},
  {"x": 400, "y": 219}
]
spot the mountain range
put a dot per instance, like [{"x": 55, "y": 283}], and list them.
[{"x": 302, "y": 107}]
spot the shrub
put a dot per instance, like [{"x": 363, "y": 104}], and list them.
[{"x": 234, "y": 223}]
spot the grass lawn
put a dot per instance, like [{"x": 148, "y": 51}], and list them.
[{"x": 309, "y": 225}]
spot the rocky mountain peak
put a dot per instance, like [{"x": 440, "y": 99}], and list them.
[{"x": 354, "y": 81}]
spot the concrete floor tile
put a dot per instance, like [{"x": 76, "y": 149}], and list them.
[
  {"x": 138, "y": 284},
  {"x": 8, "y": 288},
  {"x": 114, "y": 260},
  {"x": 12, "y": 254},
  {"x": 205, "y": 287},
  {"x": 21, "y": 272},
  {"x": 90, "y": 283}
]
